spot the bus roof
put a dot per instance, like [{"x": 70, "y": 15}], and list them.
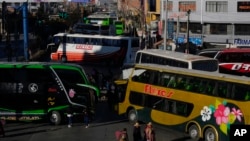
[
  {"x": 234, "y": 50},
  {"x": 101, "y": 16},
  {"x": 175, "y": 55},
  {"x": 94, "y": 36},
  {"x": 203, "y": 74}
]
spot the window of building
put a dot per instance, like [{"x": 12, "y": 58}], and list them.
[
  {"x": 243, "y": 6},
  {"x": 216, "y": 6},
  {"x": 242, "y": 29},
  {"x": 218, "y": 29},
  {"x": 184, "y": 6},
  {"x": 152, "y": 5},
  {"x": 168, "y": 4}
]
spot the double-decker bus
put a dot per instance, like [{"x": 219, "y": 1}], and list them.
[
  {"x": 176, "y": 59},
  {"x": 80, "y": 48},
  {"x": 36, "y": 91},
  {"x": 200, "y": 103}
]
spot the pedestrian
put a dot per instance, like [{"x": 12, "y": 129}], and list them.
[
  {"x": 123, "y": 135},
  {"x": 137, "y": 132},
  {"x": 149, "y": 133},
  {"x": 86, "y": 117},
  {"x": 2, "y": 132},
  {"x": 70, "y": 116}
]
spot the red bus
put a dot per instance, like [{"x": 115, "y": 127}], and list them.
[{"x": 234, "y": 61}]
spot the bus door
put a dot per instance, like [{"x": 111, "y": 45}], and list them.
[{"x": 78, "y": 91}]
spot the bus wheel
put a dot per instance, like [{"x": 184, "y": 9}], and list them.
[
  {"x": 132, "y": 116},
  {"x": 55, "y": 117},
  {"x": 193, "y": 132},
  {"x": 210, "y": 135},
  {"x": 64, "y": 58}
]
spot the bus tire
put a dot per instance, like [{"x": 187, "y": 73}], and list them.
[
  {"x": 132, "y": 116},
  {"x": 194, "y": 132},
  {"x": 210, "y": 135},
  {"x": 55, "y": 118},
  {"x": 64, "y": 58}
]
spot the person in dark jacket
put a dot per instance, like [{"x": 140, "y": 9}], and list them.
[
  {"x": 70, "y": 116},
  {"x": 86, "y": 117},
  {"x": 137, "y": 132}
]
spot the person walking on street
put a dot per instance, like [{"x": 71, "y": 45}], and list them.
[
  {"x": 137, "y": 132},
  {"x": 86, "y": 117},
  {"x": 149, "y": 133},
  {"x": 2, "y": 132},
  {"x": 70, "y": 116},
  {"x": 124, "y": 135}
]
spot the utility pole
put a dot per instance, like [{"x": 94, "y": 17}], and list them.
[
  {"x": 165, "y": 26},
  {"x": 187, "y": 45}
]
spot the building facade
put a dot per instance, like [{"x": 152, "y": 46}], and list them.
[{"x": 216, "y": 21}]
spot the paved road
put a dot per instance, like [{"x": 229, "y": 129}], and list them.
[{"x": 101, "y": 129}]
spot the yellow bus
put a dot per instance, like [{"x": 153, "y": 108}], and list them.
[{"x": 200, "y": 103}]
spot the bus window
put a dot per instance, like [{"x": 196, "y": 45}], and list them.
[
  {"x": 210, "y": 87},
  {"x": 241, "y": 92},
  {"x": 172, "y": 82},
  {"x": 176, "y": 59},
  {"x": 164, "y": 79},
  {"x": 144, "y": 77},
  {"x": 136, "y": 98},
  {"x": 222, "y": 90}
]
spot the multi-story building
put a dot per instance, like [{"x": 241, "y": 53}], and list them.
[{"x": 218, "y": 21}]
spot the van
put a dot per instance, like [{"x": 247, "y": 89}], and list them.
[{"x": 34, "y": 91}]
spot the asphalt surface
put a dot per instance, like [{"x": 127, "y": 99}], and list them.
[{"x": 102, "y": 128}]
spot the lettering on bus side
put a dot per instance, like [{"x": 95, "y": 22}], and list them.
[
  {"x": 156, "y": 91},
  {"x": 245, "y": 67},
  {"x": 11, "y": 87},
  {"x": 22, "y": 118},
  {"x": 85, "y": 47}
]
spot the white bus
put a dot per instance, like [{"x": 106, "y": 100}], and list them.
[
  {"x": 176, "y": 59},
  {"x": 114, "y": 50}
]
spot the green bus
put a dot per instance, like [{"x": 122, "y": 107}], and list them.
[
  {"x": 34, "y": 91},
  {"x": 100, "y": 18},
  {"x": 119, "y": 27}
]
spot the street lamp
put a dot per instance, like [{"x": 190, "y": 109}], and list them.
[{"x": 187, "y": 45}]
